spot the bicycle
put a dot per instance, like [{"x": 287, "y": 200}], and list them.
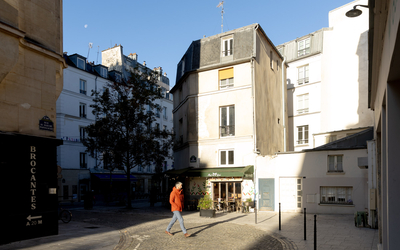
[{"x": 65, "y": 215}]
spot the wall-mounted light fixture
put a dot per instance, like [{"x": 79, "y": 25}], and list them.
[{"x": 355, "y": 12}]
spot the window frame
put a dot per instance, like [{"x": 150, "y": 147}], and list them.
[
  {"x": 227, "y": 46},
  {"x": 83, "y": 160},
  {"x": 82, "y": 133},
  {"x": 335, "y": 192},
  {"x": 303, "y": 108},
  {"x": 82, "y": 110},
  {"x": 227, "y": 157},
  {"x": 302, "y": 48},
  {"x": 229, "y": 129},
  {"x": 335, "y": 168},
  {"x": 305, "y": 128},
  {"x": 303, "y": 74},
  {"x": 83, "y": 86}
]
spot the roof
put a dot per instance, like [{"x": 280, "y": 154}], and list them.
[{"x": 354, "y": 141}]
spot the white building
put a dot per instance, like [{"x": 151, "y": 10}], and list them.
[
  {"x": 328, "y": 81},
  {"x": 73, "y": 115}
]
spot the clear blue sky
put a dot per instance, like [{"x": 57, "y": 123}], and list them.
[{"x": 160, "y": 31}]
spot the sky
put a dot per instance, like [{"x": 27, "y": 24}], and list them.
[{"x": 160, "y": 31}]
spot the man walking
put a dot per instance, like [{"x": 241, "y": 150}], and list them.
[{"x": 176, "y": 200}]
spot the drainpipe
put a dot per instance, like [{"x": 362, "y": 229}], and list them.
[
  {"x": 283, "y": 103},
  {"x": 255, "y": 150}
]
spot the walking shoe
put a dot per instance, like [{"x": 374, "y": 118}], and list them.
[
  {"x": 187, "y": 235},
  {"x": 170, "y": 234}
]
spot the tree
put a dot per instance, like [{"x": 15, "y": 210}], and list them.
[{"x": 122, "y": 136}]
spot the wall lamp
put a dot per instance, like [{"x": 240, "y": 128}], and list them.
[{"x": 355, "y": 12}]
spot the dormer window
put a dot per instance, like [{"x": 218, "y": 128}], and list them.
[
  {"x": 103, "y": 72},
  {"x": 227, "y": 46},
  {"x": 117, "y": 77},
  {"x": 81, "y": 63},
  {"x": 303, "y": 47}
]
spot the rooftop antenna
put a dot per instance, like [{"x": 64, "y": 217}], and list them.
[
  {"x": 221, "y": 4},
  {"x": 98, "y": 49},
  {"x": 90, "y": 46}
]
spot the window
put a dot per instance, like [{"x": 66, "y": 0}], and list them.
[
  {"x": 227, "y": 157},
  {"x": 165, "y": 165},
  {"x": 227, "y": 47},
  {"x": 164, "y": 127},
  {"x": 336, "y": 195},
  {"x": 302, "y": 104},
  {"x": 227, "y": 121},
  {"x": 303, "y": 75},
  {"x": 103, "y": 72},
  {"x": 149, "y": 168},
  {"x": 117, "y": 77},
  {"x": 303, "y": 47},
  {"x": 81, "y": 63},
  {"x": 271, "y": 60},
  {"x": 82, "y": 133},
  {"x": 330, "y": 138},
  {"x": 302, "y": 135},
  {"x": 225, "y": 78},
  {"x": 335, "y": 163},
  {"x": 140, "y": 168},
  {"x": 165, "y": 113},
  {"x": 157, "y": 126},
  {"x": 83, "y": 160},
  {"x": 82, "y": 110},
  {"x": 82, "y": 86}
]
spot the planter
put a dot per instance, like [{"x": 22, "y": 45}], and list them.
[{"x": 207, "y": 213}]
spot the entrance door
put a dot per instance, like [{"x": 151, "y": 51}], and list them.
[
  {"x": 290, "y": 194},
  {"x": 266, "y": 189}
]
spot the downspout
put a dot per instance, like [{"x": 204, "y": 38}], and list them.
[
  {"x": 283, "y": 104},
  {"x": 255, "y": 150},
  {"x": 95, "y": 118}
]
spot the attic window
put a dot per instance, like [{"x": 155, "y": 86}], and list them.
[
  {"x": 103, "y": 72},
  {"x": 81, "y": 63}
]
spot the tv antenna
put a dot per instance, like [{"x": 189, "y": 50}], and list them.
[
  {"x": 90, "y": 46},
  {"x": 98, "y": 49},
  {"x": 221, "y": 4}
]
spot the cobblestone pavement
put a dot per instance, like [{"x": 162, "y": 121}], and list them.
[{"x": 140, "y": 230}]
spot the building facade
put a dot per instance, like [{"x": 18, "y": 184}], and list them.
[
  {"x": 74, "y": 114},
  {"x": 384, "y": 100},
  {"x": 328, "y": 81},
  {"x": 81, "y": 172},
  {"x": 31, "y": 70},
  {"x": 228, "y": 108}
]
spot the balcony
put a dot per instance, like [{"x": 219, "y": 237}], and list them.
[{"x": 228, "y": 130}]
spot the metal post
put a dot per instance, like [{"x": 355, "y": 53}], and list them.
[
  {"x": 279, "y": 216},
  {"x": 305, "y": 224},
  {"x": 315, "y": 232}
]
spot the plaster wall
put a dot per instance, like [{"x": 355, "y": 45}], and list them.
[
  {"x": 312, "y": 167},
  {"x": 30, "y": 75},
  {"x": 345, "y": 71}
]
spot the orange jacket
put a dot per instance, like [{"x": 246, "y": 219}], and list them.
[{"x": 176, "y": 200}]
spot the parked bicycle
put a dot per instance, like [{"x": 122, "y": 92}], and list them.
[{"x": 65, "y": 215}]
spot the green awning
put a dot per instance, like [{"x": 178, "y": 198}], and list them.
[{"x": 242, "y": 172}]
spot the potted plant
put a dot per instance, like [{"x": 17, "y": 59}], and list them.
[
  {"x": 206, "y": 206},
  {"x": 247, "y": 202}
]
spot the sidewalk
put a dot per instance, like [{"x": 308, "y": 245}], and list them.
[{"x": 333, "y": 231}]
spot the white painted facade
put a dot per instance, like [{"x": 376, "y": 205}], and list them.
[{"x": 338, "y": 81}]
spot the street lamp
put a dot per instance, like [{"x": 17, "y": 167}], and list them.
[{"x": 355, "y": 12}]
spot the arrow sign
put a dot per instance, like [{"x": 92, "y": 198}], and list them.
[{"x": 33, "y": 217}]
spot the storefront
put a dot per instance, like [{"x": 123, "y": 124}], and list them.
[{"x": 228, "y": 187}]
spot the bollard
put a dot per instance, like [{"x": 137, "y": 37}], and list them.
[
  {"x": 305, "y": 225},
  {"x": 279, "y": 216},
  {"x": 255, "y": 210},
  {"x": 315, "y": 232}
]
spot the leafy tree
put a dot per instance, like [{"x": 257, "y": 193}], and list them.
[{"x": 122, "y": 136}]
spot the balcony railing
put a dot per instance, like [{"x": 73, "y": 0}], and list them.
[
  {"x": 299, "y": 142},
  {"x": 302, "y": 81},
  {"x": 302, "y": 111},
  {"x": 227, "y": 130}
]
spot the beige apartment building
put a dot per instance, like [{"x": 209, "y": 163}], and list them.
[
  {"x": 229, "y": 107},
  {"x": 31, "y": 68}
]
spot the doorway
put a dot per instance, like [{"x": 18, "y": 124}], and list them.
[{"x": 266, "y": 189}]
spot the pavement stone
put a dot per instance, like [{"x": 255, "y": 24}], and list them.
[{"x": 111, "y": 227}]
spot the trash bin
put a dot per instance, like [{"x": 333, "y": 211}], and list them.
[{"x": 360, "y": 217}]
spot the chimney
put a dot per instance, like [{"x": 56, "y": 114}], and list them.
[{"x": 144, "y": 63}]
